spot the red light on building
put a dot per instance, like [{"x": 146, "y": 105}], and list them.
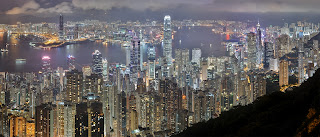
[{"x": 227, "y": 37}]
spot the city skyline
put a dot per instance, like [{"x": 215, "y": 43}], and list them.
[{"x": 110, "y": 68}]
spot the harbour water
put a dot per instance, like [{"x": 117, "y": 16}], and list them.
[{"x": 186, "y": 37}]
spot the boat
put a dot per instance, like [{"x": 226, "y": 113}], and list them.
[
  {"x": 126, "y": 44},
  {"x": 21, "y": 61},
  {"x": 4, "y": 50}
]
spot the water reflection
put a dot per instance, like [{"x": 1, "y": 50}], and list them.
[{"x": 190, "y": 38}]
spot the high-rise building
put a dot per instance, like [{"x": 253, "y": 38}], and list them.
[
  {"x": 105, "y": 72},
  {"x": 61, "y": 32},
  {"x": 135, "y": 59},
  {"x": 301, "y": 71},
  {"x": 259, "y": 44},
  {"x": 30, "y": 128},
  {"x": 17, "y": 126},
  {"x": 64, "y": 119},
  {"x": 128, "y": 55},
  {"x": 4, "y": 120},
  {"x": 71, "y": 62},
  {"x": 316, "y": 56},
  {"x": 196, "y": 56},
  {"x": 151, "y": 62},
  {"x": 252, "y": 50},
  {"x": 167, "y": 39},
  {"x": 282, "y": 46},
  {"x": 74, "y": 85},
  {"x": 97, "y": 66},
  {"x": 283, "y": 73},
  {"x": 44, "y": 120},
  {"x": 93, "y": 84},
  {"x": 2, "y": 89},
  {"x": 89, "y": 120},
  {"x": 46, "y": 66},
  {"x": 268, "y": 54},
  {"x": 86, "y": 71}
]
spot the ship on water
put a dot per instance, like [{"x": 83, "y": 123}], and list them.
[{"x": 5, "y": 49}]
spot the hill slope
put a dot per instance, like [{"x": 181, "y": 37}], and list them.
[{"x": 292, "y": 113}]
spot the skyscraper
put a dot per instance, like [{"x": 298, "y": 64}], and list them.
[
  {"x": 74, "y": 86},
  {"x": 167, "y": 39},
  {"x": 86, "y": 71},
  {"x": 268, "y": 54},
  {"x": 71, "y": 62},
  {"x": 196, "y": 55},
  {"x": 283, "y": 73},
  {"x": 259, "y": 44},
  {"x": 151, "y": 62},
  {"x": 252, "y": 50},
  {"x": 97, "y": 66},
  {"x": 105, "y": 70},
  {"x": 61, "y": 33},
  {"x": 46, "y": 67},
  {"x": 135, "y": 59},
  {"x": 300, "y": 62}
]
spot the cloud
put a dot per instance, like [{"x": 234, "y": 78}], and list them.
[
  {"x": 26, "y": 8},
  {"x": 68, "y": 6},
  {"x": 64, "y": 7},
  {"x": 136, "y": 4},
  {"x": 265, "y": 5},
  {"x": 34, "y": 7}
]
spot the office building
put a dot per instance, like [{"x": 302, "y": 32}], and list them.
[
  {"x": 284, "y": 73},
  {"x": 97, "y": 65}
]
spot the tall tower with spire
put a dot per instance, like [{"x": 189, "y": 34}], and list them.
[
  {"x": 259, "y": 44},
  {"x": 167, "y": 39}
]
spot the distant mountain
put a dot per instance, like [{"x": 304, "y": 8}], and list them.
[{"x": 294, "y": 113}]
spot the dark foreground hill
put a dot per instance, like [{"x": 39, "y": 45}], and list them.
[{"x": 294, "y": 113}]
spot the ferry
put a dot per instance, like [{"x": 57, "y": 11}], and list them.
[
  {"x": 126, "y": 44},
  {"x": 4, "y": 50},
  {"x": 21, "y": 61}
]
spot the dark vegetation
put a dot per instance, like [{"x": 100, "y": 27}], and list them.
[{"x": 294, "y": 113}]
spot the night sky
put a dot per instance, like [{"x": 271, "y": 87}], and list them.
[{"x": 12, "y": 11}]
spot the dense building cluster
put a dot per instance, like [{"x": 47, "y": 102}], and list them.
[{"x": 159, "y": 96}]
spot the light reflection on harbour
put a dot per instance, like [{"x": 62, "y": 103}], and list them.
[{"x": 190, "y": 38}]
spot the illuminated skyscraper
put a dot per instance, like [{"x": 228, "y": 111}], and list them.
[
  {"x": 46, "y": 71},
  {"x": 259, "y": 44},
  {"x": 151, "y": 62},
  {"x": 86, "y": 71},
  {"x": 167, "y": 39},
  {"x": 93, "y": 84},
  {"x": 97, "y": 66},
  {"x": 135, "y": 59},
  {"x": 61, "y": 33},
  {"x": 44, "y": 121},
  {"x": 4, "y": 121},
  {"x": 252, "y": 50},
  {"x": 300, "y": 62},
  {"x": 17, "y": 126},
  {"x": 105, "y": 72},
  {"x": 196, "y": 55},
  {"x": 46, "y": 67},
  {"x": 71, "y": 62},
  {"x": 283, "y": 73},
  {"x": 74, "y": 86},
  {"x": 268, "y": 54}
]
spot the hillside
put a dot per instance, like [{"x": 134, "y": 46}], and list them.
[{"x": 294, "y": 113}]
